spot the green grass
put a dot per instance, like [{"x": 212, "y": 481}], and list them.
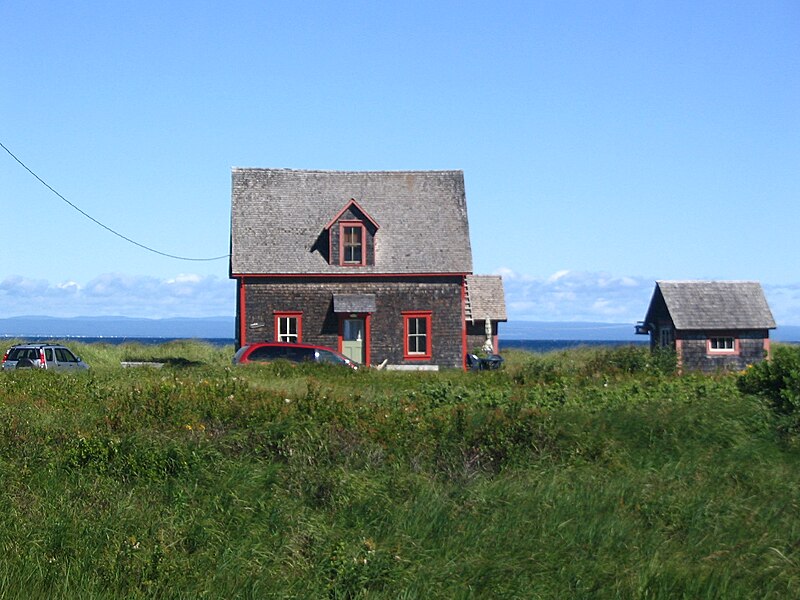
[{"x": 580, "y": 474}]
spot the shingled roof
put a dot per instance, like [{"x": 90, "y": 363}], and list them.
[
  {"x": 485, "y": 298},
  {"x": 278, "y": 216},
  {"x": 714, "y": 304}
]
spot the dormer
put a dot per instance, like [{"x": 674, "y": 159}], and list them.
[{"x": 351, "y": 235}]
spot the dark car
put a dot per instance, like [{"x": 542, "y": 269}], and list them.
[
  {"x": 42, "y": 356},
  {"x": 272, "y": 351}
]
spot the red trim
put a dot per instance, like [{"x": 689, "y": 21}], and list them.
[
  {"x": 723, "y": 351},
  {"x": 284, "y": 314},
  {"x": 242, "y": 314},
  {"x": 354, "y": 225},
  {"x": 418, "y": 314},
  {"x": 339, "y": 275},
  {"x": 344, "y": 210}
]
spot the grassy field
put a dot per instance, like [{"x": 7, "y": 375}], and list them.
[{"x": 579, "y": 474}]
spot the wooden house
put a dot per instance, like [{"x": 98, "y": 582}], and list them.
[
  {"x": 374, "y": 264},
  {"x": 712, "y": 325}
]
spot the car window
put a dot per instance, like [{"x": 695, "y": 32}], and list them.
[
  {"x": 69, "y": 356},
  {"x": 60, "y": 355},
  {"x": 302, "y": 354},
  {"x": 326, "y": 356},
  {"x": 264, "y": 353},
  {"x": 15, "y": 354},
  {"x": 48, "y": 354}
]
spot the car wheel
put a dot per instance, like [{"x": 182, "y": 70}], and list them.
[{"x": 25, "y": 363}]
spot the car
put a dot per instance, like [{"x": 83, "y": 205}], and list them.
[
  {"x": 53, "y": 357},
  {"x": 265, "y": 352}
]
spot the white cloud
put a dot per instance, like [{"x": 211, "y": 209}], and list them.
[
  {"x": 113, "y": 294},
  {"x": 576, "y": 296},
  {"x": 564, "y": 296},
  {"x": 602, "y": 297}
]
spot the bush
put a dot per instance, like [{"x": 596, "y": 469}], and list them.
[{"x": 777, "y": 382}]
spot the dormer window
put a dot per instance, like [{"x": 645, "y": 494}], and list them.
[{"x": 352, "y": 236}]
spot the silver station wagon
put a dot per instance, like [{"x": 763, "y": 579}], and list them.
[{"x": 42, "y": 356}]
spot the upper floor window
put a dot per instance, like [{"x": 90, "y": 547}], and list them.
[
  {"x": 352, "y": 244},
  {"x": 288, "y": 327},
  {"x": 350, "y": 237},
  {"x": 722, "y": 344}
]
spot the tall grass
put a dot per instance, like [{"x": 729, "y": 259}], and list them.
[{"x": 583, "y": 474}]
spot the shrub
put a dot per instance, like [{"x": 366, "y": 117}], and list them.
[{"x": 777, "y": 382}]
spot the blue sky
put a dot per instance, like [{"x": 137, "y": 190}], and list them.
[{"x": 604, "y": 145}]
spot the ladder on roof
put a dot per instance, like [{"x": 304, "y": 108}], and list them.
[{"x": 467, "y": 302}]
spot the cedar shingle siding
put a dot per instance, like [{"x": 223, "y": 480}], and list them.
[
  {"x": 286, "y": 247},
  {"x": 441, "y": 295},
  {"x": 687, "y": 315}
]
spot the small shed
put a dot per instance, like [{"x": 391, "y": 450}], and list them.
[
  {"x": 712, "y": 325},
  {"x": 484, "y": 307}
]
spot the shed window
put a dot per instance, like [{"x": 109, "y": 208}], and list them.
[
  {"x": 722, "y": 344},
  {"x": 288, "y": 327},
  {"x": 417, "y": 333}
]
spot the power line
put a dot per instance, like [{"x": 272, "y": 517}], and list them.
[{"x": 106, "y": 227}]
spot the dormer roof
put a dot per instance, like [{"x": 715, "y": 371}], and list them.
[{"x": 353, "y": 207}]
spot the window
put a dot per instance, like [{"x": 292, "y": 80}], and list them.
[
  {"x": 667, "y": 339},
  {"x": 288, "y": 327},
  {"x": 722, "y": 344},
  {"x": 417, "y": 333},
  {"x": 352, "y": 241}
]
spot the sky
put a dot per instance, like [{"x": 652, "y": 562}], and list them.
[{"x": 604, "y": 145}]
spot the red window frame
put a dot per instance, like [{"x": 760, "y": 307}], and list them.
[
  {"x": 417, "y": 315},
  {"x": 725, "y": 350},
  {"x": 288, "y": 315},
  {"x": 355, "y": 225}
]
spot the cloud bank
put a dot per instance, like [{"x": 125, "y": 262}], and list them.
[
  {"x": 111, "y": 294},
  {"x": 600, "y": 297},
  {"x": 563, "y": 296}
]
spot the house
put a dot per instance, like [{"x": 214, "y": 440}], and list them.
[
  {"x": 712, "y": 325},
  {"x": 374, "y": 264}
]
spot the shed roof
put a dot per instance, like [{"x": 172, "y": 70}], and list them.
[
  {"x": 485, "y": 297},
  {"x": 715, "y": 304},
  {"x": 278, "y": 217}
]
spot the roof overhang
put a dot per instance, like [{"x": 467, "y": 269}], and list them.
[{"x": 354, "y": 303}]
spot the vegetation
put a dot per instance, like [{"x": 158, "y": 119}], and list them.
[{"x": 589, "y": 473}]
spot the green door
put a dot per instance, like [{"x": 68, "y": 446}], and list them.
[{"x": 353, "y": 335}]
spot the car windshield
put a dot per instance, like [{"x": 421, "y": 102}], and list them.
[{"x": 325, "y": 356}]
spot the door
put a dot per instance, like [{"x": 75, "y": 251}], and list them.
[{"x": 354, "y": 339}]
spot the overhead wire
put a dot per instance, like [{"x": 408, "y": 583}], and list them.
[{"x": 104, "y": 226}]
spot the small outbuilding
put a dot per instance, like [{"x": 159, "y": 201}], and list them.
[
  {"x": 712, "y": 325},
  {"x": 485, "y": 307}
]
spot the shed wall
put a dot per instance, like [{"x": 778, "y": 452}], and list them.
[{"x": 695, "y": 357}]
